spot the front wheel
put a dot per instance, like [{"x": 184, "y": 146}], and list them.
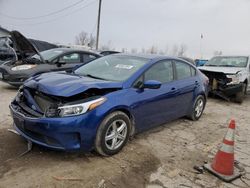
[
  {"x": 198, "y": 108},
  {"x": 112, "y": 134}
]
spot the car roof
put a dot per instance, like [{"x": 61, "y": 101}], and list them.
[
  {"x": 149, "y": 56},
  {"x": 73, "y": 50},
  {"x": 225, "y": 56}
]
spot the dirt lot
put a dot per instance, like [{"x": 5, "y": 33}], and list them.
[{"x": 162, "y": 157}]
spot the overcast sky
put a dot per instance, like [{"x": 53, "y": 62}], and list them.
[{"x": 225, "y": 24}]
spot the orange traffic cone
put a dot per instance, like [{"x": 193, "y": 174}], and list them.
[{"x": 223, "y": 163}]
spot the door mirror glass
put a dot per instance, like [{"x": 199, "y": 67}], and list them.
[{"x": 152, "y": 84}]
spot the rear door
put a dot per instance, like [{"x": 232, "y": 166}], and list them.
[{"x": 186, "y": 83}]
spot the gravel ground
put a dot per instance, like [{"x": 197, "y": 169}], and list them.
[{"x": 161, "y": 157}]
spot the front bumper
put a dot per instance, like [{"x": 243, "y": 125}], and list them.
[
  {"x": 15, "y": 78},
  {"x": 67, "y": 133},
  {"x": 228, "y": 91}
]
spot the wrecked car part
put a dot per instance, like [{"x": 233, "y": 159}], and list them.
[
  {"x": 37, "y": 104},
  {"x": 29, "y": 148},
  {"x": 221, "y": 84},
  {"x": 13, "y": 131}
]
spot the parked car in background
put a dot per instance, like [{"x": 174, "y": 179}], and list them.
[
  {"x": 109, "y": 52},
  {"x": 102, "y": 103},
  {"x": 229, "y": 76},
  {"x": 200, "y": 62},
  {"x": 14, "y": 46},
  {"x": 57, "y": 59}
]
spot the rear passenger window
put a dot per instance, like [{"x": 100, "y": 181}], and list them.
[
  {"x": 88, "y": 57},
  {"x": 162, "y": 71},
  {"x": 70, "y": 58},
  {"x": 183, "y": 70}
]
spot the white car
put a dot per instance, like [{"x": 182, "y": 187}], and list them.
[{"x": 229, "y": 76}]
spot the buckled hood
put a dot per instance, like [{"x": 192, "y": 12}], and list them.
[
  {"x": 66, "y": 85},
  {"x": 225, "y": 70}
]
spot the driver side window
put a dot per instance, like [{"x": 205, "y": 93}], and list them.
[
  {"x": 70, "y": 58},
  {"x": 162, "y": 71}
]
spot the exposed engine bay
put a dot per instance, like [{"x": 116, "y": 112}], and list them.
[
  {"x": 220, "y": 84},
  {"x": 33, "y": 103}
]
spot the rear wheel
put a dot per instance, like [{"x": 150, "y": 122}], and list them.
[
  {"x": 112, "y": 134},
  {"x": 198, "y": 108},
  {"x": 239, "y": 97}
]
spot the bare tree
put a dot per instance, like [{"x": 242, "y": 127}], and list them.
[
  {"x": 82, "y": 38},
  {"x": 92, "y": 41},
  {"x": 133, "y": 50},
  {"x": 182, "y": 50},
  {"x": 143, "y": 50},
  {"x": 161, "y": 52},
  {"x": 107, "y": 46},
  {"x": 152, "y": 50},
  {"x": 175, "y": 50},
  {"x": 217, "y": 53},
  {"x": 124, "y": 50},
  {"x": 166, "y": 50}
]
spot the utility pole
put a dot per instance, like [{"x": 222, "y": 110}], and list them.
[
  {"x": 98, "y": 24},
  {"x": 201, "y": 45}
]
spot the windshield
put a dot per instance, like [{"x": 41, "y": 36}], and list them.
[
  {"x": 49, "y": 54},
  {"x": 113, "y": 68},
  {"x": 228, "y": 62}
]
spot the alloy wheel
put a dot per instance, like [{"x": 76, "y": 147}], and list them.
[
  {"x": 199, "y": 107},
  {"x": 116, "y": 134}
]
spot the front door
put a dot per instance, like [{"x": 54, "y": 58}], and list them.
[{"x": 155, "y": 106}]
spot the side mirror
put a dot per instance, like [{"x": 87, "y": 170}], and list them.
[
  {"x": 59, "y": 63},
  {"x": 152, "y": 84}
]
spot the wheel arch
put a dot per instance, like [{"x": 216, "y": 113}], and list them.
[{"x": 128, "y": 112}]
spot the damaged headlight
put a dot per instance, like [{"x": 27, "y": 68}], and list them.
[
  {"x": 77, "y": 109},
  {"x": 22, "y": 67},
  {"x": 234, "y": 79}
]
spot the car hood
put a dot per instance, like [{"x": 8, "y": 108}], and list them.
[
  {"x": 225, "y": 70},
  {"x": 66, "y": 85},
  {"x": 4, "y": 32},
  {"x": 22, "y": 44}
]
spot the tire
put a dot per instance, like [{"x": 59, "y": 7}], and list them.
[
  {"x": 198, "y": 108},
  {"x": 112, "y": 134},
  {"x": 239, "y": 97}
]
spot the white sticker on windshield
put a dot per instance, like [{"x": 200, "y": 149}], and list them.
[{"x": 121, "y": 66}]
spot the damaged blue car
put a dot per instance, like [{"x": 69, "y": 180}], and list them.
[{"x": 102, "y": 103}]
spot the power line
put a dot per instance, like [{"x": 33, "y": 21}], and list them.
[
  {"x": 45, "y": 15},
  {"x": 52, "y": 20}
]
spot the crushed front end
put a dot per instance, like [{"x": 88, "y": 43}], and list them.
[
  {"x": 36, "y": 117},
  {"x": 223, "y": 85}
]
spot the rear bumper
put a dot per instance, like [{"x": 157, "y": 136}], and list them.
[{"x": 68, "y": 133}]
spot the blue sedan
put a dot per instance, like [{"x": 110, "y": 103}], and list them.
[{"x": 102, "y": 103}]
